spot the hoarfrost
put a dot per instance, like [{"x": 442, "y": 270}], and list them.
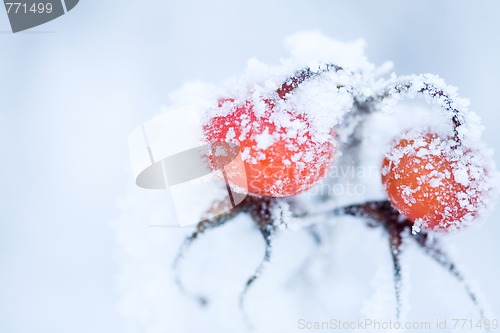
[{"x": 325, "y": 103}]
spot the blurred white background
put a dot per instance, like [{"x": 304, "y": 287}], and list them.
[{"x": 72, "y": 90}]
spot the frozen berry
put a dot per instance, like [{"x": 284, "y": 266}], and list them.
[
  {"x": 282, "y": 154},
  {"x": 435, "y": 181}
]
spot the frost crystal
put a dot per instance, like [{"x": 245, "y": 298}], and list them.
[{"x": 326, "y": 106}]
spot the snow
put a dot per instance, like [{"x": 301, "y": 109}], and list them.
[
  {"x": 71, "y": 94},
  {"x": 468, "y": 165},
  {"x": 230, "y": 134},
  {"x": 326, "y": 102},
  {"x": 461, "y": 175}
]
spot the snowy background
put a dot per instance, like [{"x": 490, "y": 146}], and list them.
[{"x": 76, "y": 251}]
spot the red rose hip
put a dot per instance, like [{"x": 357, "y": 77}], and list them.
[
  {"x": 434, "y": 181},
  {"x": 282, "y": 152}
]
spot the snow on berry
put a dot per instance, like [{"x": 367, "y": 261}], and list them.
[
  {"x": 286, "y": 131},
  {"x": 437, "y": 181},
  {"x": 282, "y": 154},
  {"x": 328, "y": 106}
]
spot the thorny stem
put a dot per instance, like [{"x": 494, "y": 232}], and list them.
[
  {"x": 315, "y": 235},
  {"x": 375, "y": 213},
  {"x": 381, "y": 213},
  {"x": 350, "y": 147},
  {"x": 302, "y": 75},
  {"x": 434, "y": 249},
  {"x": 263, "y": 211},
  {"x": 404, "y": 85},
  {"x": 267, "y": 235},
  {"x": 201, "y": 228},
  {"x": 395, "y": 243}
]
